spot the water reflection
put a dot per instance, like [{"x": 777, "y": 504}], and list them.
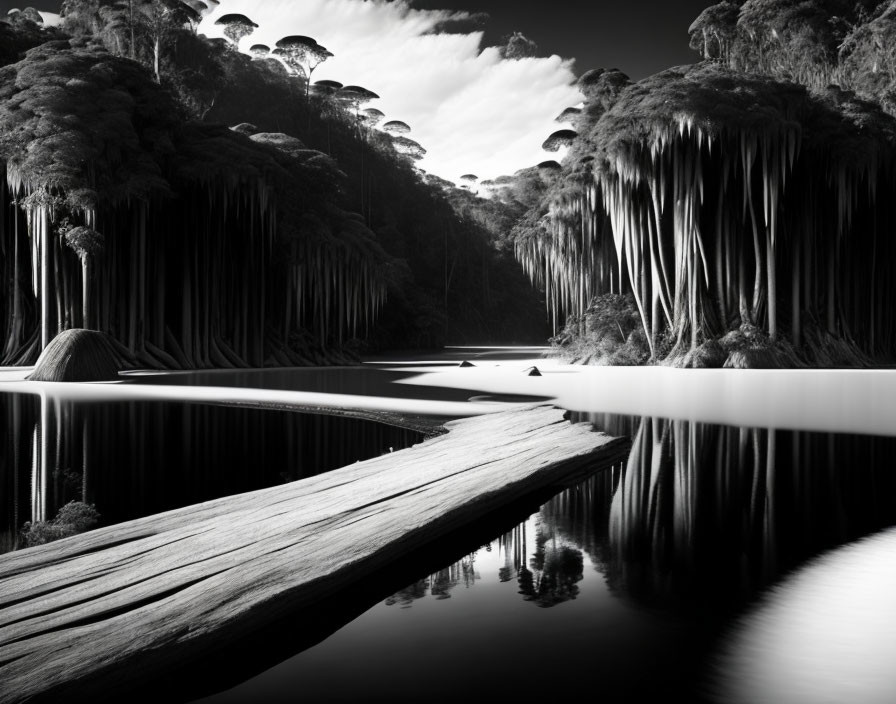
[
  {"x": 827, "y": 633},
  {"x": 134, "y": 459},
  {"x": 638, "y": 569},
  {"x": 439, "y": 584},
  {"x": 555, "y": 571},
  {"x": 548, "y": 577},
  {"x": 699, "y": 512},
  {"x": 632, "y": 575},
  {"x": 696, "y": 524},
  {"x": 709, "y": 511}
]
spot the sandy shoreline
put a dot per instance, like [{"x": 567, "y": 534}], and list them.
[
  {"x": 827, "y": 400},
  {"x": 845, "y": 401}
]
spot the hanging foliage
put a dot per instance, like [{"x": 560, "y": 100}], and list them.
[
  {"x": 719, "y": 200},
  {"x": 216, "y": 250}
]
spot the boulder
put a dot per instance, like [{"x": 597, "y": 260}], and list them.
[{"x": 78, "y": 355}]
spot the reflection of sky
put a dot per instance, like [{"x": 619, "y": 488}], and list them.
[{"x": 827, "y": 634}]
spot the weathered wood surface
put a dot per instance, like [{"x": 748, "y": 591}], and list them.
[{"x": 98, "y": 613}]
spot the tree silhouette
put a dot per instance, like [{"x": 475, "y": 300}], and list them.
[
  {"x": 396, "y": 127},
  {"x": 327, "y": 87},
  {"x": 260, "y": 51},
  {"x": 570, "y": 115},
  {"x": 373, "y": 116},
  {"x": 292, "y": 68},
  {"x": 560, "y": 138},
  {"x": 303, "y": 55},
  {"x": 236, "y": 27},
  {"x": 408, "y": 147},
  {"x": 356, "y": 96}
]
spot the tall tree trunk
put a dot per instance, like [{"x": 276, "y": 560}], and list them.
[
  {"x": 85, "y": 292},
  {"x": 17, "y": 314},
  {"x": 132, "y": 50},
  {"x": 795, "y": 330},
  {"x": 44, "y": 248},
  {"x": 156, "y": 57},
  {"x": 772, "y": 287}
]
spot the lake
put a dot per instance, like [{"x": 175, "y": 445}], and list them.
[{"x": 647, "y": 579}]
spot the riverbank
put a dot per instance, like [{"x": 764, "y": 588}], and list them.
[
  {"x": 822, "y": 400},
  {"x": 421, "y": 415}
]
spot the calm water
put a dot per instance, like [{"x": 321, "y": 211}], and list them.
[
  {"x": 652, "y": 578},
  {"x": 133, "y": 459},
  {"x": 633, "y": 579}
]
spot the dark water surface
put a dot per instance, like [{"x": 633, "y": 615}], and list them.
[
  {"x": 137, "y": 458},
  {"x": 632, "y": 579},
  {"x": 627, "y": 586}
]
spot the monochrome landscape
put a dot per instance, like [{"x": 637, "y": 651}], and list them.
[{"x": 417, "y": 350}]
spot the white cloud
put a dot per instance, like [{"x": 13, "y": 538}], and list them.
[{"x": 471, "y": 110}]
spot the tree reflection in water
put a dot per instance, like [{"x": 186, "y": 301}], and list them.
[
  {"x": 134, "y": 459},
  {"x": 700, "y": 517},
  {"x": 696, "y": 521},
  {"x": 439, "y": 584},
  {"x": 554, "y": 574},
  {"x": 710, "y": 512}
]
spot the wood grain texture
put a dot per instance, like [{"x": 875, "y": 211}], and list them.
[{"x": 98, "y": 613}]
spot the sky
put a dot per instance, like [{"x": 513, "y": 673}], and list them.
[{"x": 472, "y": 111}]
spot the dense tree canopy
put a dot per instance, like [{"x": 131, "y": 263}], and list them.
[
  {"x": 302, "y": 54},
  {"x": 236, "y": 27},
  {"x": 720, "y": 200},
  {"x": 84, "y": 135},
  {"x": 812, "y": 42},
  {"x": 139, "y": 214}
]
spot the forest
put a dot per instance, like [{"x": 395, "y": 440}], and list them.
[
  {"x": 735, "y": 212},
  {"x": 208, "y": 208},
  {"x": 211, "y": 208}
]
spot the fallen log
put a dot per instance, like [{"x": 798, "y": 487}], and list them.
[{"x": 97, "y": 615}]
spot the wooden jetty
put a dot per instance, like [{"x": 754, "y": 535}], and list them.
[{"x": 95, "y": 615}]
